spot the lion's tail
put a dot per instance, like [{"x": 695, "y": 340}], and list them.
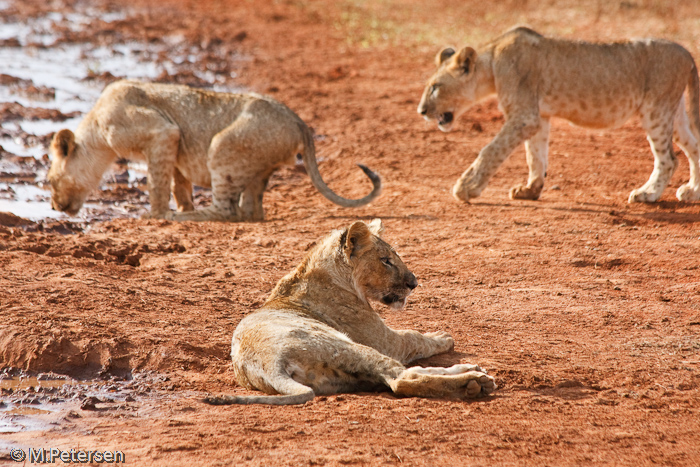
[
  {"x": 693, "y": 98},
  {"x": 293, "y": 399},
  {"x": 290, "y": 392},
  {"x": 309, "y": 158}
]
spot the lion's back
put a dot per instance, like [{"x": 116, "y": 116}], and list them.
[{"x": 597, "y": 85}]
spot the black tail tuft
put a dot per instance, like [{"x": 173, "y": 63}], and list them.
[{"x": 376, "y": 179}]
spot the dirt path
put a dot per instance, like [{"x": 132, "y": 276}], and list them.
[{"x": 584, "y": 308}]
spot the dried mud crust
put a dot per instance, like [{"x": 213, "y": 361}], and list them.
[{"x": 585, "y": 309}]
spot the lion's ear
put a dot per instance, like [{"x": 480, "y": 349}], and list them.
[
  {"x": 443, "y": 55},
  {"x": 465, "y": 59},
  {"x": 63, "y": 143},
  {"x": 376, "y": 227},
  {"x": 358, "y": 237}
]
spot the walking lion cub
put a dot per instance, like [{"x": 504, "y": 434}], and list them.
[
  {"x": 318, "y": 334},
  {"x": 591, "y": 85},
  {"x": 229, "y": 142}
]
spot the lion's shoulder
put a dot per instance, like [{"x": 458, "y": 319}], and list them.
[{"x": 520, "y": 33}]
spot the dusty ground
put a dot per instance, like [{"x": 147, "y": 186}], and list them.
[{"x": 584, "y": 308}]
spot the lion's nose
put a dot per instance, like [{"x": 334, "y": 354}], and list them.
[
  {"x": 411, "y": 282},
  {"x": 422, "y": 111}
]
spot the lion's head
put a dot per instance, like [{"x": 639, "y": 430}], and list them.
[
  {"x": 453, "y": 87},
  {"x": 71, "y": 176},
  {"x": 377, "y": 271}
]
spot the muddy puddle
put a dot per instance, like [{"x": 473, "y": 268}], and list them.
[
  {"x": 48, "y": 82},
  {"x": 34, "y": 382},
  {"x": 49, "y": 401}
]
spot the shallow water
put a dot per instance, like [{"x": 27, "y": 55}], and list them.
[
  {"x": 34, "y": 203},
  {"x": 15, "y": 417},
  {"x": 34, "y": 382},
  {"x": 46, "y": 401}
]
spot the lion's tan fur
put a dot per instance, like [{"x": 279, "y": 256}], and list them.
[
  {"x": 229, "y": 142},
  {"x": 317, "y": 333},
  {"x": 593, "y": 85}
]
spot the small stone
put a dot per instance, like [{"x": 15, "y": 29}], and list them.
[{"x": 89, "y": 403}]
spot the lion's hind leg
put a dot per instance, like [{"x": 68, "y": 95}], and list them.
[
  {"x": 684, "y": 137},
  {"x": 227, "y": 185},
  {"x": 342, "y": 366},
  {"x": 458, "y": 381},
  {"x": 658, "y": 123},
  {"x": 301, "y": 362},
  {"x": 251, "y": 201}
]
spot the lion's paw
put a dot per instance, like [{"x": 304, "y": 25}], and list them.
[
  {"x": 480, "y": 385},
  {"x": 642, "y": 196},
  {"x": 468, "y": 379},
  {"x": 525, "y": 192},
  {"x": 443, "y": 339},
  {"x": 688, "y": 193},
  {"x": 463, "y": 192},
  {"x": 459, "y": 194},
  {"x": 460, "y": 381},
  {"x": 469, "y": 185}
]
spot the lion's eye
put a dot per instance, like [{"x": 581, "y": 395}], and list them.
[
  {"x": 434, "y": 89},
  {"x": 387, "y": 261}
]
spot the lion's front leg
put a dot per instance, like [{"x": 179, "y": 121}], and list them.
[
  {"x": 516, "y": 130},
  {"x": 536, "y": 150},
  {"x": 182, "y": 192},
  {"x": 159, "y": 177},
  {"x": 157, "y": 140},
  {"x": 412, "y": 345}
]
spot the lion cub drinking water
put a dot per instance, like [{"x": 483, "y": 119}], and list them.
[
  {"x": 318, "y": 334},
  {"x": 592, "y": 85},
  {"x": 229, "y": 142}
]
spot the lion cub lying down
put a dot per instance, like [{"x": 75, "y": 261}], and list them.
[
  {"x": 229, "y": 142},
  {"x": 318, "y": 334},
  {"x": 591, "y": 85}
]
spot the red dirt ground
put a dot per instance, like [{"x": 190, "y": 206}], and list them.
[{"x": 584, "y": 308}]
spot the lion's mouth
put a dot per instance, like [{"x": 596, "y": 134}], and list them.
[
  {"x": 70, "y": 208},
  {"x": 394, "y": 301},
  {"x": 56, "y": 206},
  {"x": 389, "y": 299},
  {"x": 445, "y": 118},
  {"x": 445, "y": 121}
]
